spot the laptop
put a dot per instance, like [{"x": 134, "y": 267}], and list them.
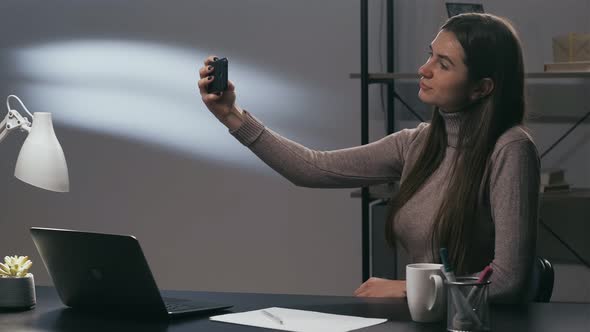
[{"x": 107, "y": 273}]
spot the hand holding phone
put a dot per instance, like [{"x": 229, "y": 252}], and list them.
[{"x": 219, "y": 83}]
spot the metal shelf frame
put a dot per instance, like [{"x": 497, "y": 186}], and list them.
[{"x": 365, "y": 81}]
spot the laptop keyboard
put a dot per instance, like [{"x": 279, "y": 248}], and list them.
[{"x": 174, "y": 305}]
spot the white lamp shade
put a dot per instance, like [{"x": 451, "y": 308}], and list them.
[{"x": 41, "y": 161}]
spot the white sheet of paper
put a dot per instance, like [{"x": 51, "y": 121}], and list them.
[{"x": 299, "y": 320}]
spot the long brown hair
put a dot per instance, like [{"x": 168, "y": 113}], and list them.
[{"x": 492, "y": 50}]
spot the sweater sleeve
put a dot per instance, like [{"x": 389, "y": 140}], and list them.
[
  {"x": 514, "y": 199},
  {"x": 378, "y": 162}
]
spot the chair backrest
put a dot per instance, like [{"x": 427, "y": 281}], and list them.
[{"x": 546, "y": 277}]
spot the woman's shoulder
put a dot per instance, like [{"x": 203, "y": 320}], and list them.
[
  {"x": 515, "y": 138},
  {"x": 413, "y": 133},
  {"x": 408, "y": 137}
]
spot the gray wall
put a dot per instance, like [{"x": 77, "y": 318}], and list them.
[{"x": 147, "y": 159}]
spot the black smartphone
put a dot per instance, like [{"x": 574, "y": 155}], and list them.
[{"x": 219, "y": 83}]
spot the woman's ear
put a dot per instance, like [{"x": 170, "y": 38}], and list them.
[{"x": 482, "y": 89}]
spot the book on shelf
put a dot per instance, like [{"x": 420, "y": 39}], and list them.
[
  {"x": 568, "y": 67},
  {"x": 563, "y": 186}
]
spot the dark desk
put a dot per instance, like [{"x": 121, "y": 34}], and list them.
[{"x": 51, "y": 315}]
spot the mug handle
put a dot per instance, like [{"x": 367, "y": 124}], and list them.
[{"x": 438, "y": 291}]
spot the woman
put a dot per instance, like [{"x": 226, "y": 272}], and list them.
[{"x": 469, "y": 179}]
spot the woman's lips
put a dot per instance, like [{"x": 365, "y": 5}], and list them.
[{"x": 424, "y": 86}]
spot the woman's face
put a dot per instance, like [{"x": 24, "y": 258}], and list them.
[{"x": 443, "y": 80}]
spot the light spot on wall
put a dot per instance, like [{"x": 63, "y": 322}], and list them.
[{"x": 140, "y": 91}]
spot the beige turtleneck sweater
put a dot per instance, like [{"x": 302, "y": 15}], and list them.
[{"x": 508, "y": 207}]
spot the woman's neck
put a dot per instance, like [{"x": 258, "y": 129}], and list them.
[{"x": 453, "y": 122}]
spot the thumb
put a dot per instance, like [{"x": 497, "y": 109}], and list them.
[{"x": 230, "y": 86}]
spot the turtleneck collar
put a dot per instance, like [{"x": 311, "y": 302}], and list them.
[{"x": 453, "y": 122}]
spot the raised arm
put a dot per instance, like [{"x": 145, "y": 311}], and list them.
[{"x": 378, "y": 162}]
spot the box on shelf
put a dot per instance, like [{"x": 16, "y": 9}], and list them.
[
  {"x": 553, "y": 179},
  {"x": 571, "y": 47},
  {"x": 552, "y": 176},
  {"x": 568, "y": 67}
]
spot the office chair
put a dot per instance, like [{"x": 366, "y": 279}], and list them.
[{"x": 546, "y": 276}]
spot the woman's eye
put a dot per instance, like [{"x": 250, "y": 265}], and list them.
[{"x": 442, "y": 65}]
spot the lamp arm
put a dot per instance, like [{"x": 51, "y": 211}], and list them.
[
  {"x": 21, "y": 103},
  {"x": 13, "y": 120}
]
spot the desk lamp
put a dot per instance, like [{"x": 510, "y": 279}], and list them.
[{"x": 41, "y": 161}]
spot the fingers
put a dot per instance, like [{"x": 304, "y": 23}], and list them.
[
  {"x": 358, "y": 291},
  {"x": 377, "y": 287},
  {"x": 208, "y": 97},
  {"x": 203, "y": 83},
  {"x": 210, "y": 60},
  {"x": 206, "y": 71},
  {"x": 364, "y": 292},
  {"x": 206, "y": 74},
  {"x": 362, "y": 288}
]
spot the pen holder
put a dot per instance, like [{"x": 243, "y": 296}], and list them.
[{"x": 467, "y": 305}]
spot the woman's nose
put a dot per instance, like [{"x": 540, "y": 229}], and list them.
[{"x": 425, "y": 71}]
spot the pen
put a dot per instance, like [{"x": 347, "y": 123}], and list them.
[
  {"x": 447, "y": 269},
  {"x": 484, "y": 276},
  {"x": 273, "y": 317}
]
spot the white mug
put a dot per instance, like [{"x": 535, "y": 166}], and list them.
[{"x": 425, "y": 292}]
